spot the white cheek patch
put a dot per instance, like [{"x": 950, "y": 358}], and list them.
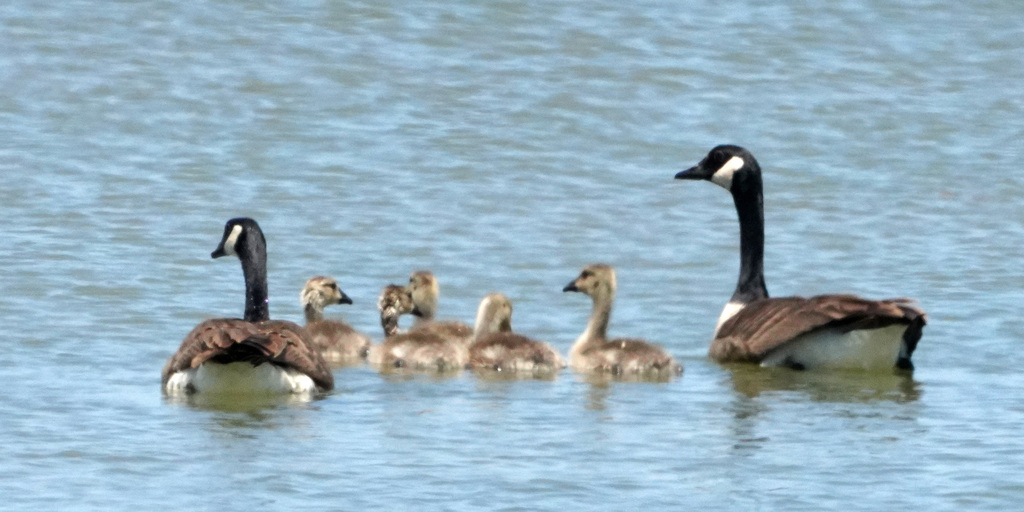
[
  {"x": 232, "y": 239},
  {"x": 723, "y": 176}
]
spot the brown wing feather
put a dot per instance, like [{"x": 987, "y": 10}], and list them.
[
  {"x": 296, "y": 353},
  {"x": 205, "y": 341},
  {"x": 764, "y": 325},
  {"x": 231, "y": 339}
]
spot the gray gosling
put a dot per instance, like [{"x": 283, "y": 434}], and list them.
[
  {"x": 424, "y": 290},
  {"x": 497, "y": 348},
  {"x": 594, "y": 352},
  {"x": 418, "y": 350},
  {"x": 337, "y": 341}
]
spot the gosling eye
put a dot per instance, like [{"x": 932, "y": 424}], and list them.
[{"x": 585, "y": 274}]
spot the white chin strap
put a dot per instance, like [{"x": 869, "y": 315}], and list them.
[
  {"x": 232, "y": 239},
  {"x": 723, "y": 176}
]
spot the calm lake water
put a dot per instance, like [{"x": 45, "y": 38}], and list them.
[{"x": 504, "y": 145}]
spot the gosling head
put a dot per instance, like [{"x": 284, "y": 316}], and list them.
[
  {"x": 597, "y": 280},
  {"x": 725, "y": 166},
  {"x": 493, "y": 315},
  {"x": 424, "y": 291},
  {"x": 322, "y": 291},
  {"x": 394, "y": 301}
]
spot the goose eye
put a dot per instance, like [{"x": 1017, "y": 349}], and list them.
[{"x": 585, "y": 274}]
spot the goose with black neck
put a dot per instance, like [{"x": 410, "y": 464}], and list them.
[
  {"x": 253, "y": 354},
  {"x": 837, "y": 331}
]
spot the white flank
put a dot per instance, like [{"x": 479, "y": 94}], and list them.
[
  {"x": 868, "y": 349},
  {"x": 723, "y": 176},
  {"x": 239, "y": 378},
  {"x": 728, "y": 312},
  {"x": 229, "y": 244}
]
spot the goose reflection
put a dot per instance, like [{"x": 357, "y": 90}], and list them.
[
  {"x": 837, "y": 387},
  {"x": 240, "y": 403}
]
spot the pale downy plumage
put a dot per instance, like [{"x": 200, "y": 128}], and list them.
[
  {"x": 337, "y": 341},
  {"x": 249, "y": 355},
  {"x": 497, "y": 348},
  {"x": 594, "y": 352},
  {"x": 825, "y": 331},
  {"x": 420, "y": 350},
  {"x": 424, "y": 290}
]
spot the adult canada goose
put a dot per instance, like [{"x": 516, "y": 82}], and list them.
[
  {"x": 825, "y": 331},
  {"x": 422, "y": 350},
  {"x": 496, "y": 347},
  {"x": 593, "y": 351},
  {"x": 254, "y": 354},
  {"x": 337, "y": 341},
  {"x": 424, "y": 291}
]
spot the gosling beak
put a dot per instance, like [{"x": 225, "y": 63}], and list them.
[
  {"x": 344, "y": 298},
  {"x": 571, "y": 287},
  {"x": 416, "y": 312}
]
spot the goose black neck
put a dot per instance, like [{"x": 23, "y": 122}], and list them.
[
  {"x": 254, "y": 267},
  {"x": 748, "y": 197}
]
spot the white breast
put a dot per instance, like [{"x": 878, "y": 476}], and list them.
[
  {"x": 868, "y": 349},
  {"x": 239, "y": 378}
]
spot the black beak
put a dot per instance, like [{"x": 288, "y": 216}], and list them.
[
  {"x": 693, "y": 173},
  {"x": 344, "y": 298},
  {"x": 416, "y": 312},
  {"x": 219, "y": 251},
  {"x": 571, "y": 287}
]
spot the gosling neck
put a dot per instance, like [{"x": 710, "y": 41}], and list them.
[
  {"x": 484, "y": 323},
  {"x": 313, "y": 313},
  {"x": 390, "y": 324},
  {"x": 597, "y": 326},
  {"x": 426, "y": 313},
  {"x": 489, "y": 320}
]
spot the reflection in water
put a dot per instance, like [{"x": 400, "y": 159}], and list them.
[
  {"x": 831, "y": 386},
  {"x": 393, "y": 374},
  {"x": 490, "y": 375},
  {"x": 237, "y": 402},
  {"x": 597, "y": 395},
  {"x": 604, "y": 378},
  {"x": 237, "y": 416},
  {"x": 601, "y": 385},
  {"x": 763, "y": 393},
  {"x": 745, "y": 435}
]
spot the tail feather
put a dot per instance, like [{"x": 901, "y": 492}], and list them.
[{"x": 254, "y": 350}]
